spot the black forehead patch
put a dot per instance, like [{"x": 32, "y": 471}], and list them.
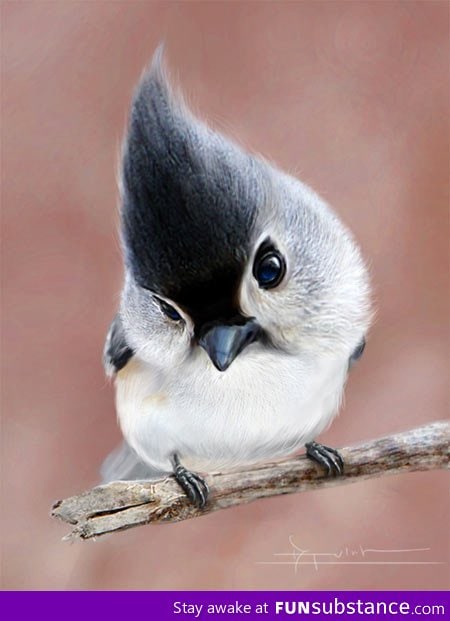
[{"x": 189, "y": 201}]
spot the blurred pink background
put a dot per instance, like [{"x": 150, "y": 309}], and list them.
[{"x": 352, "y": 97}]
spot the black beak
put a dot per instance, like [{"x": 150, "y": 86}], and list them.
[{"x": 223, "y": 343}]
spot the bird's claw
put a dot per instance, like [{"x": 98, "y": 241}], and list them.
[
  {"x": 327, "y": 457},
  {"x": 194, "y": 486}
]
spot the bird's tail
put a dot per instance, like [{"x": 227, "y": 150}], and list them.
[{"x": 123, "y": 464}]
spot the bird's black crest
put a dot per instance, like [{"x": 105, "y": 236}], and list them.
[{"x": 189, "y": 201}]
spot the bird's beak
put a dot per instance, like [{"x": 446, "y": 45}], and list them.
[{"x": 223, "y": 343}]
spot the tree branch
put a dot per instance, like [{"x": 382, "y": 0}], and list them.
[{"x": 120, "y": 505}]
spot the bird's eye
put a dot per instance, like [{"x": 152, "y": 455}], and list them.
[
  {"x": 269, "y": 267},
  {"x": 169, "y": 310}
]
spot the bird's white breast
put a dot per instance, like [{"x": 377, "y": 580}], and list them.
[{"x": 267, "y": 404}]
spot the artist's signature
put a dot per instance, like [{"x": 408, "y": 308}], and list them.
[{"x": 356, "y": 555}]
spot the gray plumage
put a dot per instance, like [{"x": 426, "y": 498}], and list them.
[{"x": 205, "y": 226}]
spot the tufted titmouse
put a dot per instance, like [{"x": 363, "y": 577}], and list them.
[{"x": 245, "y": 301}]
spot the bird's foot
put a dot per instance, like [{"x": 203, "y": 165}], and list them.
[
  {"x": 327, "y": 457},
  {"x": 194, "y": 486}
]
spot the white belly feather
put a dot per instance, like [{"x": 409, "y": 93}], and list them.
[{"x": 264, "y": 406}]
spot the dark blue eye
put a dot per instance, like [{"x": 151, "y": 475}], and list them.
[
  {"x": 169, "y": 311},
  {"x": 269, "y": 267}
]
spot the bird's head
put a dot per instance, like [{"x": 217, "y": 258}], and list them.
[{"x": 225, "y": 254}]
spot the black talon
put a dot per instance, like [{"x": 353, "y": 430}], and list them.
[
  {"x": 327, "y": 457},
  {"x": 194, "y": 486}
]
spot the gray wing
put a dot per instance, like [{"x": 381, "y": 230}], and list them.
[
  {"x": 116, "y": 352},
  {"x": 122, "y": 464},
  {"x": 356, "y": 355}
]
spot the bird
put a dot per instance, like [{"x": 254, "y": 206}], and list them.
[{"x": 245, "y": 302}]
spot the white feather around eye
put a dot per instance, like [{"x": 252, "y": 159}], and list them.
[
  {"x": 154, "y": 337},
  {"x": 323, "y": 303}
]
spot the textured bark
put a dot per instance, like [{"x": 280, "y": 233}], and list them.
[{"x": 120, "y": 505}]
